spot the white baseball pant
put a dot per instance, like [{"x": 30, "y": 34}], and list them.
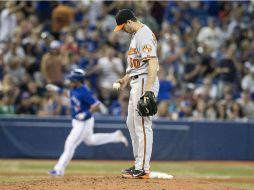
[
  {"x": 82, "y": 131},
  {"x": 140, "y": 128}
]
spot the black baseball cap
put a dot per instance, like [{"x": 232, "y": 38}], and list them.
[{"x": 122, "y": 17}]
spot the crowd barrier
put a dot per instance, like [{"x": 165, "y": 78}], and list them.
[{"x": 43, "y": 138}]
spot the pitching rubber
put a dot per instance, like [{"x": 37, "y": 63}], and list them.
[{"x": 160, "y": 175}]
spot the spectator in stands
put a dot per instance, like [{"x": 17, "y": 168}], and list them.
[
  {"x": 235, "y": 112},
  {"x": 15, "y": 49},
  {"x": 7, "y": 83},
  {"x": 6, "y": 105},
  {"x": 185, "y": 109},
  {"x": 195, "y": 29},
  {"x": 94, "y": 11},
  {"x": 186, "y": 46},
  {"x": 110, "y": 68},
  {"x": 52, "y": 65},
  {"x": 16, "y": 69},
  {"x": 119, "y": 107},
  {"x": 163, "y": 109},
  {"x": 200, "y": 111},
  {"x": 35, "y": 24},
  {"x": 43, "y": 44},
  {"x": 157, "y": 10},
  {"x": 171, "y": 52},
  {"x": 228, "y": 100},
  {"x": 8, "y": 20},
  {"x": 211, "y": 113},
  {"x": 44, "y": 9},
  {"x": 28, "y": 105},
  {"x": 124, "y": 102},
  {"x": 221, "y": 111},
  {"x": 208, "y": 64},
  {"x": 69, "y": 45},
  {"x": 167, "y": 83},
  {"x": 207, "y": 90},
  {"x": 52, "y": 104},
  {"x": 27, "y": 8},
  {"x": 247, "y": 82},
  {"x": 186, "y": 96},
  {"x": 146, "y": 17},
  {"x": 246, "y": 104},
  {"x": 28, "y": 97},
  {"x": 31, "y": 62},
  {"x": 210, "y": 36},
  {"x": 88, "y": 62},
  {"x": 62, "y": 16},
  {"x": 226, "y": 71},
  {"x": 192, "y": 67}
]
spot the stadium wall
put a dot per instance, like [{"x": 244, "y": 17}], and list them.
[{"x": 43, "y": 138}]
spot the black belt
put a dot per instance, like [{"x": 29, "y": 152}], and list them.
[{"x": 134, "y": 77}]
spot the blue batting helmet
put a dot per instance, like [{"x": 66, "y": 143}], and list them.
[{"x": 77, "y": 75}]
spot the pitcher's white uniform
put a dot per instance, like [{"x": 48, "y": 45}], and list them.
[{"x": 143, "y": 47}]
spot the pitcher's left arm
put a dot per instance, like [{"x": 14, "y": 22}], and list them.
[{"x": 152, "y": 73}]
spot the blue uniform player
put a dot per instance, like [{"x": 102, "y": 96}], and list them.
[{"x": 83, "y": 104}]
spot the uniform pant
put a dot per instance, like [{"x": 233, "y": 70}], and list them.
[
  {"x": 140, "y": 128},
  {"x": 82, "y": 131}
]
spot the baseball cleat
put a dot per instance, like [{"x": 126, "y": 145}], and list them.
[
  {"x": 55, "y": 173},
  {"x": 122, "y": 138},
  {"x": 140, "y": 174},
  {"x": 127, "y": 173}
]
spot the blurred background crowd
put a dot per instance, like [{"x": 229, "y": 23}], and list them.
[{"x": 205, "y": 52}]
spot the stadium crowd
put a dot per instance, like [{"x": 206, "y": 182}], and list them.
[{"x": 205, "y": 52}]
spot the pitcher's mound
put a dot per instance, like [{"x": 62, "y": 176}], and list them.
[{"x": 115, "y": 183}]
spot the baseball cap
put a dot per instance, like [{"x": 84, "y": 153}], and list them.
[
  {"x": 54, "y": 44},
  {"x": 122, "y": 17}
]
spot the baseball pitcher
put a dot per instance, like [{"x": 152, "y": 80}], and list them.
[
  {"x": 142, "y": 75},
  {"x": 83, "y": 104}
]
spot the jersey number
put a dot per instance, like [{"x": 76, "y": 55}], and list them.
[{"x": 134, "y": 63}]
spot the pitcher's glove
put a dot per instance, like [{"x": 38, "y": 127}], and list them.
[{"x": 147, "y": 105}]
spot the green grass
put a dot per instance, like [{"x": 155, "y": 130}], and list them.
[
  {"x": 26, "y": 170},
  {"x": 240, "y": 185}
]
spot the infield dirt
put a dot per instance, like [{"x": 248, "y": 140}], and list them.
[{"x": 115, "y": 183}]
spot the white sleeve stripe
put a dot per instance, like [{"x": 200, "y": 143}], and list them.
[{"x": 147, "y": 58}]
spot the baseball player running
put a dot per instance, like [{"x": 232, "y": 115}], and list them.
[
  {"x": 83, "y": 104},
  {"x": 141, "y": 72}
]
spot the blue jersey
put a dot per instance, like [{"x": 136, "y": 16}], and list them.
[{"x": 81, "y": 101}]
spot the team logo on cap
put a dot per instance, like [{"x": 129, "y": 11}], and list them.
[{"x": 147, "y": 48}]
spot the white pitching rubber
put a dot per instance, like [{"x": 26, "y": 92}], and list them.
[{"x": 160, "y": 175}]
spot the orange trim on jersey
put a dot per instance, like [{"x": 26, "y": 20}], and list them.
[
  {"x": 144, "y": 130},
  {"x": 132, "y": 51},
  {"x": 119, "y": 27},
  {"x": 147, "y": 58}
]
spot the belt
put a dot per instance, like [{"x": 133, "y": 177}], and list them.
[{"x": 136, "y": 76}]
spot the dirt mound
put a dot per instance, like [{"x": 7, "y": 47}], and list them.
[{"x": 115, "y": 183}]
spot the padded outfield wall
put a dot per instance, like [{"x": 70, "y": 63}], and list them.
[{"x": 33, "y": 137}]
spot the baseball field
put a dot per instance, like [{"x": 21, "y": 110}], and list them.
[{"x": 104, "y": 175}]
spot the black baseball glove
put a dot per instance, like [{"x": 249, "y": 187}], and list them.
[{"x": 147, "y": 105}]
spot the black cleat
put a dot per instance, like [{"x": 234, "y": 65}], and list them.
[
  {"x": 127, "y": 173},
  {"x": 140, "y": 174}
]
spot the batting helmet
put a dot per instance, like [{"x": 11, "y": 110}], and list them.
[{"x": 77, "y": 75}]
